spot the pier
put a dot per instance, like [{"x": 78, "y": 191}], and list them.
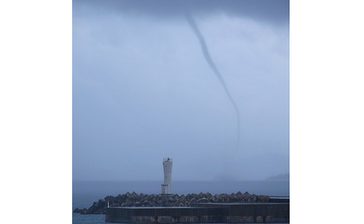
[{"x": 269, "y": 212}]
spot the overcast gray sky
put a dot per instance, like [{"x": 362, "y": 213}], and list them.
[{"x": 142, "y": 89}]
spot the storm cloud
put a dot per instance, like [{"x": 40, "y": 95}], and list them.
[{"x": 274, "y": 11}]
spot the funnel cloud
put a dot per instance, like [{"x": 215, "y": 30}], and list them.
[{"x": 214, "y": 68}]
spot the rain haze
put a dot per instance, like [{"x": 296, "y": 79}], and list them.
[{"x": 144, "y": 89}]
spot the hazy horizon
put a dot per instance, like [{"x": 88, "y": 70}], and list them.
[{"x": 279, "y": 177}]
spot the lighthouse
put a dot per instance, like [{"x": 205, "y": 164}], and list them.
[{"x": 167, "y": 168}]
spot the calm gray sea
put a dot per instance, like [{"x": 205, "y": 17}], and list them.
[{"x": 88, "y": 219}]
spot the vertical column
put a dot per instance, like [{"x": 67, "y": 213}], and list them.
[{"x": 167, "y": 168}]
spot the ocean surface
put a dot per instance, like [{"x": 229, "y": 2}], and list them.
[
  {"x": 86, "y": 192},
  {"x": 88, "y": 219}
]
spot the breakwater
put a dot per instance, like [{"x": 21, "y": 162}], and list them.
[
  {"x": 172, "y": 200},
  {"x": 202, "y": 213}
]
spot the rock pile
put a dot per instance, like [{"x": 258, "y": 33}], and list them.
[{"x": 153, "y": 200}]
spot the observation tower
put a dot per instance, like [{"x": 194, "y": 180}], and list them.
[{"x": 167, "y": 168}]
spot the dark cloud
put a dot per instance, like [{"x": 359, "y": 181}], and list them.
[{"x": 275, "y": 11}]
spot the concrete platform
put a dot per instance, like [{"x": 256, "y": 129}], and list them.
[{"x": 202, "y": 213}]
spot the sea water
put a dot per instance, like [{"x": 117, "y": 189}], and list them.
[{"x": 88, "y": 219}]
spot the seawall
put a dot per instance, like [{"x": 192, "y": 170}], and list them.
[{"x": 202, "y": 213}]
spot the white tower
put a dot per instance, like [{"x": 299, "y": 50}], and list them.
[{"x": 167, "y": 168}]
